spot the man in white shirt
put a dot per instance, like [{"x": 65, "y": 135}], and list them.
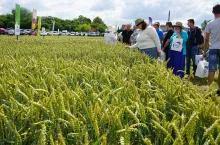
[
  {"x": 212, "y": 33},
  {"x": 110, "y": 36}
]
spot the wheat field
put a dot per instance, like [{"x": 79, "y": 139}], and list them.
[{"x": 80, "y": 91}]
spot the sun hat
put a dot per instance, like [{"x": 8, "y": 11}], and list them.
[
  {"x": 110, "y": 29},
  {"x": 138, "y": 21},
  {"x": 178, "y": 24},
  {"x": 157, "y": 24}
]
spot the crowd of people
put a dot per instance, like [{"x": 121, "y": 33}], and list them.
[{"x": 179, "y": 46}]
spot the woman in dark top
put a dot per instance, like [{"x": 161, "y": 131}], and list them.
[{"x": 166, "y": 41}]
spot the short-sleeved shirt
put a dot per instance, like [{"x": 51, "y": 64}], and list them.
[
  {"x": 126, "y": 36},
  {"x": 184, "y": 36},
  {"x": 160, "y": 34},
  {"x": 213, "y": 28},
  {"x": 168, "y": 35}
]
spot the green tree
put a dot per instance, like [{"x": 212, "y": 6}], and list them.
[
  {"x": 203, "y": 25},
  {"x": 26, "y": 17},
  {"x": 85, "y": 27},
  {"x": 84, "y": 20},
  {"x": 97, "y": 20},
  {"x": 10, "y": 24},
  {"x": 81, "y": 23},
  {"x": 3, "y": 21},
  {"x": 2, "y": 25},
  {"x": 58, "y": 25},
  {"x": 98, "y": 24}
]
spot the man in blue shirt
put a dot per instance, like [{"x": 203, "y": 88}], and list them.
[{"x": 156, "y": 25}]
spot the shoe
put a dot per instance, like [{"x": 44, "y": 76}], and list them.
[
  {"x": 194, "y": 74},
  {"x": 218, "y": 92}
]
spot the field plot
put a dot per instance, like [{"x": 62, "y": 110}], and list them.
[{"x": 80, "y": 91}]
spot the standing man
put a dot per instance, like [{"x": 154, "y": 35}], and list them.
[
  {"x": 195, "y": 39},
  {"x": 126, "y": 34},
  {"x": 166, "y": 41},
  {"x": 156, "y": 25},
  {"x": 213, "y": 30}
]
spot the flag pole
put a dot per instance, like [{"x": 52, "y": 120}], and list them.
[
  {"x": 169, "y": 16},
  {"x": 17, "y": 20}
]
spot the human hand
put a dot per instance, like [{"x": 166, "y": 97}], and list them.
[
  {"x": 204, "y": 54},
  {"x": 159, "y": 53}
]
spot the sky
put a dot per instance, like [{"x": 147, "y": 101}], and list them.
[{"x": 119, "y": 11}]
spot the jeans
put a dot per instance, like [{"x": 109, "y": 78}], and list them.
[
  {"x": 151, "y": 52},
  {"x": 191, "y": 53},
  {"x": 214, "y": 59}
]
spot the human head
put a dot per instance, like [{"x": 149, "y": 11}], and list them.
[
  {"x": 216, "y": 10},
  {"x": 169, "y": 25},
  {"x": 156, "y": 25},
  {"x": 141, "y": 24},
  {"x": 110, "y": 29},
  {"x": 128, "y": 27},
  {"x": 178, "y": 27},
  {"x": 191, "y": 23},
  {"x": 123, "y": 27}
]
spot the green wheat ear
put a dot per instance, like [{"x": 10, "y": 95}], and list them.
[
  {"x": 210, "y": 130},
  {"x": 42, "y": 137},
  {"x": 122, "y": 140},
  {"x": 190, "y": 127}
]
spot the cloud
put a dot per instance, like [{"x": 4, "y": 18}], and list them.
[
  {"x": 104, "y": 6},
  {"x": 121, "y": 11}
]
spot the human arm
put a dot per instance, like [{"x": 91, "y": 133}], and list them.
[
  {"x": 206, "y": 38},
  {"x": 154, "y": 36},
  {"x": 198, "y": 36},
  {"x": 166, "y": 44},
  {"x": 161, "y": 36},
  {"x": 133, "y": 46},
  {"x": 206, "y": 43},
  {"x": 168, "y": 36},
  {"x": 184, "y": 37}
]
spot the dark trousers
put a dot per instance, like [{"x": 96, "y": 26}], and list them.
[
  {"x": 166, "y": 51},
  {"x": 191, "y": 53},
  {"x": 177, "y": 63}
]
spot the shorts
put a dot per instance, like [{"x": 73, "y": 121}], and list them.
[{"x": 214, "y": 59}]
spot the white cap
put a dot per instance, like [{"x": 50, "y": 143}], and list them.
[{"x": 110, "y": 29}]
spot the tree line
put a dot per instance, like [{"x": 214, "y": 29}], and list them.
[{"x": 80, "y": 24}]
